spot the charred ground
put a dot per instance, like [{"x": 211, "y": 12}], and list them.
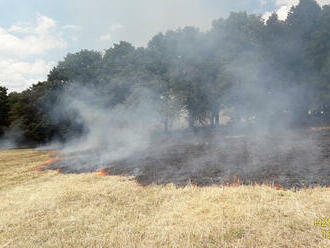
[{"x": 291, "y": 159}]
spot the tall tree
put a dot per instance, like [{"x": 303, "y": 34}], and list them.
[
  {"x": 318, "y": 54},
  {"x": 4, "y": 109},
  {"x": 304, "y": 17},
  {"x": 82, "y": 67}
]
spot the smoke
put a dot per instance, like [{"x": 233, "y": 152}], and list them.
[
  {"x": 108, "y": 133},
  {"x": 11, "y": 138},
  {"x": 262, "y": 143},
  {"x": 125, "y": 139}
]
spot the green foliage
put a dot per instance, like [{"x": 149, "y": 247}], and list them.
[
  {"x": 30, "y": 111},
  {"x": 80, "y": 67},
  {"x": 4, "y": 109}
]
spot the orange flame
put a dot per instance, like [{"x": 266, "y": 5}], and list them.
[
  {"x": 237, "y": 181},
  {"x": 103, "y": 172},
  {"x": 278, "y": 186},
  {"x": 48, "y": 163}
]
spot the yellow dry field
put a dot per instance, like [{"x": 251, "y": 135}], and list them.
[{"x": 47, "y": 209}]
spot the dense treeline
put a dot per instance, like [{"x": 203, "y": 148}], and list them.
[{"x": 242, "y": 62}]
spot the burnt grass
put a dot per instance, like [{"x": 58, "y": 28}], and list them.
[{"x": 299, "y": 159}]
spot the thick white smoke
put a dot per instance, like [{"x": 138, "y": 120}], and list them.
[{"x": 109, "y": 134}]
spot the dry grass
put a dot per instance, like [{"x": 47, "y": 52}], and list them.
[{"x": 47, "y": 209}]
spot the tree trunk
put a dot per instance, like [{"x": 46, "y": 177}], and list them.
[
  {"x": 191, "y": 122},
  {"x": 217, "y": 119},
  {"x": 166, "y": 124},
  {"x": 212, "y": 120}
]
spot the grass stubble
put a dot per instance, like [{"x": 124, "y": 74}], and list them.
[{"x": 49, "y": 209}]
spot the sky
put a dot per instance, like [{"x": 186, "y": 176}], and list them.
[{"x": 36, "y": 34}]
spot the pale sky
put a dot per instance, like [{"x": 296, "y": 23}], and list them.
[{"x": 36, "y": 34}]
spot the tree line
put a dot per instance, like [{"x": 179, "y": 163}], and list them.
[{"x": 243, "y": 61}]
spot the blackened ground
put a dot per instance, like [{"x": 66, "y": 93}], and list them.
[{"x": 292, "y": 159}]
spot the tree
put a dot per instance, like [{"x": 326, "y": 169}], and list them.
[
  {"x": 302, "y": 20},
  {"x": 165, "y": 63},
  {"x": 4, "y": 109},
  {"x": 304, "y": 17},
  {"x": 122, "y": 70},
  {"x": 31, "y": 112},
  {"x": 82, "y": 67},
  {"x": 318, "y": 55}
]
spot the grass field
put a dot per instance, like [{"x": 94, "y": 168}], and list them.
[{"x": 47, "y": 209}]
